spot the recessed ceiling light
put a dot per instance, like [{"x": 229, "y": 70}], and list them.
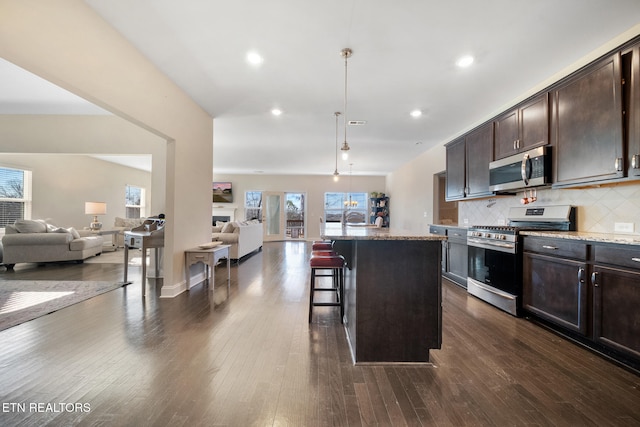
[
  {"x": 416, "y": 113},
  {"x": 254, "y": 58},
  {"x": 464, "y": 61},
  {"x": 276, "y": 111}
]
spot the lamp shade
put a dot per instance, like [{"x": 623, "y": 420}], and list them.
[{"x": 95, "y": 208}]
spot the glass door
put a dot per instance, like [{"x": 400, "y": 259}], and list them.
[
  {"x": 273, "y": 216},
  {"x": 295, "y": 215}
]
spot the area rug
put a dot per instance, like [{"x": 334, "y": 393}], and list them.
[{"x": 24, "y": 300}]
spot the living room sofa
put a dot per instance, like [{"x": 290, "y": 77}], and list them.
[
  {"x": 37, "y": 241},
  {"x": 244, "y": 237},
  {"x": 125, "y": 224}
]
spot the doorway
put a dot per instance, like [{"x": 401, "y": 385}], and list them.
[
  {"x": 443, "y": 212},
  {"x": 283, "y": 215}
]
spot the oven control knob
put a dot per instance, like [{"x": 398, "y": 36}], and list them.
[{"x": 488, "y": 236}]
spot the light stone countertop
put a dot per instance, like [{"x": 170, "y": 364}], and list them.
[
  {"x": 624, "y": 239},
  {"x": 370, "y": 232}
]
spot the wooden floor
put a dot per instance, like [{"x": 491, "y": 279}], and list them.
[{"x": 202, "y": 359}]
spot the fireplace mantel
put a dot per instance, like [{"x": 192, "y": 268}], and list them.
[{"x": 229, "y": 211}]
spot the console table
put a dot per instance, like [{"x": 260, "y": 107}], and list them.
[
  {"x": 209, "y": 257},
  {"x": 142, "y": 240}
]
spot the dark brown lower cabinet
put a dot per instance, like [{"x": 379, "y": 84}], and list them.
[
  {"x": 589, "y": 291},
  {"x": 457, "y": 256},
  {"x": 454, "y": 263},
  {"x": 555, "y": 289},
  {"x": 616, "y": 309}
]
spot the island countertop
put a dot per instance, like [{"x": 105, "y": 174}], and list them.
[{"x": 335, "y": 231}]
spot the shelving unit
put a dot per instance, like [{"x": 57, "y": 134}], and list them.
[{"x": 379, "y": 206}]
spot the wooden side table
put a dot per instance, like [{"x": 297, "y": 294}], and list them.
[{"x": 209, "y": 257}]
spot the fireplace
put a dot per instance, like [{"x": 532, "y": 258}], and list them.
[{"x": 222, "y": 218}]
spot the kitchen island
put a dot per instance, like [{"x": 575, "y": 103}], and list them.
[{"x": 393, "y": 293}]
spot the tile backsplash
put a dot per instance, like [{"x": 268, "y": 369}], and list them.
[{"x": 598, "y": 208}]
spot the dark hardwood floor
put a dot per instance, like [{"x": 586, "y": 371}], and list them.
[{"x": 202, "y": 359}]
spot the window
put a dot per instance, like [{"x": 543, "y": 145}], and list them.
[
  {"x": 352, "y": 206},
  {"x": 253, "y": 205},
  {"x": 15, "y": 195},
  {"x": 134, "y": 202}
]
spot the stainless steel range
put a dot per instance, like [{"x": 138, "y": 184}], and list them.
[{"x": 495, "y": 253}]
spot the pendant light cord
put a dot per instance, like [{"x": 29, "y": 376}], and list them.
[
  {"x": 346, "y": 53},
  {"x": 337, "y": 114}
]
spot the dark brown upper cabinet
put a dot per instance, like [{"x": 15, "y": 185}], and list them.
[
  {"x": 587, "y": 125},
  {"x": 456, "y": 174},
  {"x": 468, "y": 160},
  {"x": 631, "y": 105},
  {"x": 522, "y": 128},
  {"x": 478, "y": 145}
]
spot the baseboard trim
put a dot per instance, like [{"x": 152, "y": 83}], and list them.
[{"x": 174, "y": 290}]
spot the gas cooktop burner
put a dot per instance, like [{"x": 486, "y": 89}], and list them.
[{"x": 509, "y": 228}]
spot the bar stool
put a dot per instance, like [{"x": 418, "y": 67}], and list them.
[
  {"x": 334, "y": 263},
  {"x": 321, "y": 246}
]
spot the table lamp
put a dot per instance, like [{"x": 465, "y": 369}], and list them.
[{"x": 95, "y": 209}]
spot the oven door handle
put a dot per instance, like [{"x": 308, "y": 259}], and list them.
[{"x": 491, "y": 245}]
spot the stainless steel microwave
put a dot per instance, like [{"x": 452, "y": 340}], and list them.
[{"x": 528, "y": 169}]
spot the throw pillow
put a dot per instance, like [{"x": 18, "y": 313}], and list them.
[
  {"x": 74, "y": 232},
  {"x": 30, "y": 226},
  {"x": 228, "y": 228}
]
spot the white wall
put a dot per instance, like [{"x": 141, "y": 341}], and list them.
[
  {"x": 67, "y": 43},
  {"x": 313, "y": 185},
  {"x": 63, "y": 182},
  {"x": 412, "y": 187},
  {"x": 72, "y": 134}
]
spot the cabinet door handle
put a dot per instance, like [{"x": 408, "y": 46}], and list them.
[
  {"x": 549, "y": 247},
  {"x": 594, "y": 279},
  {"x": 634, "y": 161},
  {"x": 514, "y": 144},
  {"x": 635, "y": 259},
  {"x": 618, "y": 164},
  {"x": 581, "y": 275}
]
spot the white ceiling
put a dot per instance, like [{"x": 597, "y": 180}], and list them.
[{"x": 404, "y": 59}]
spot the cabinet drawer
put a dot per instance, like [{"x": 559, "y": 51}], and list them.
[
  {"x": 556, "y": 247},
  {"x": 434, "y": 229},
  {"x": 457, "y": 234},
  {"x": 619, "y": 256},
  {"x": 133, "y": 242}
]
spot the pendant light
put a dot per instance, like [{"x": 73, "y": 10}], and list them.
[
  {"x": 346, "y": 54},
  {"x": 335, "y": 173}
]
